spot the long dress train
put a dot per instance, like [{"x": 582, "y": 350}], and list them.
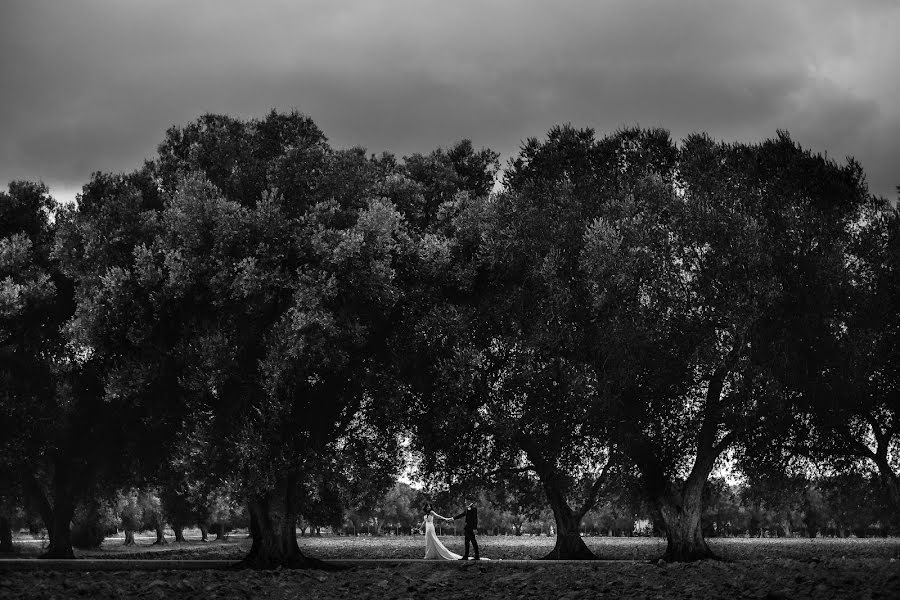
[{"x": 434, "y": 549}]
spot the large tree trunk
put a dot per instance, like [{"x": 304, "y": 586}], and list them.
[
  {"x": 129, "y": 538},
  {"x": 684, "y": 536},
  {"x": 275, "y": 532},
  {"x": 204, "y": 532},
  {"x": 61, "y": 530},
  {"x": 56, "y": 503},
  {"x": 179, "y": 532},
  {"x": 569, "y": 545},
  {"x": 681, "y": 506},
  {"x": 160, "y": 536},
  {"x": 5, "y": 535},
  {"x": 255, "y": 532},
  {"x": 58, "y": 516},
  {"x": 893, "y": 485},
  {"x": 891, "y": 480}
]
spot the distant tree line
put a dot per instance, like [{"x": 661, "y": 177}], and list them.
[
  {"x": 835, "y": 506},
  {"x": 255, "y": 327},
  {"x": 838, "y": 506}
]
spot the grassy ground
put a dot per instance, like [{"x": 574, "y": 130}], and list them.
[
  {"x": 757, "y": 568},
  {"x": 496, "y": 547}
]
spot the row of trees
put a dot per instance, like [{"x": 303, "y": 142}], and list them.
[
  {"x": 253, "y": 310},
  {"x": 134, "y": 511},
  {"x": 838, "y": 505},
  {"x": 648, "y": 309}
]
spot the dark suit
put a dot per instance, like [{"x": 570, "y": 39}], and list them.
[{"x": 471, "y": 516}]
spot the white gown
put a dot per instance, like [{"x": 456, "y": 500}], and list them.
[{"x": 434, "y": 549}]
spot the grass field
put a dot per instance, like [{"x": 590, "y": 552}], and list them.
[
  {"x": 496, "y": 547},
  {"x": 754, "y": 568}
]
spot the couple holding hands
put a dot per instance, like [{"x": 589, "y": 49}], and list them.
[{"x": 434, "y": 549}]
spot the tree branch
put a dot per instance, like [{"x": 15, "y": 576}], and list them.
[
  {"x": 706, "y": 436},
  {"x": 598, "y": 484},
  {"x": 857, "y": 448},
  {"x": 881, "y": 436},
  {"x": 704, "y": 462},
  {"x": 724, "y": 443}
]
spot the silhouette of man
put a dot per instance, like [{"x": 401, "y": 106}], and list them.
[{"x": 471, "y": 516}]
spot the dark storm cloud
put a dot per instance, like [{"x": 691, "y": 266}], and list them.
[{"x": 94, "y": 85}]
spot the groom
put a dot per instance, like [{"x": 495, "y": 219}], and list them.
[{"x": 471, "y": 516}]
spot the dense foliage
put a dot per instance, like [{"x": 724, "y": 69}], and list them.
[{"x": 257, "y": 329}]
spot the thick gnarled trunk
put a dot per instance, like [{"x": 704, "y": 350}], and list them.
[
  {"x": 57, "y": 517},
  {"x": 160, "y": 536},
  {"x": 179, "y": 532},
  {"x": 61, "y": 531},
  {"x": 684, "y": 537},
  {"x": 680, "y": 504},
  {"x": 569, "y": 545},
  {"x": 273, "y": 525},
  {"x": 129, "y": 538},
  {"x": 204, "y": 532},
  {"x": 888, "y": 476},
  {"x": 681, "y": 507},
  {"x": 893, "y": 486},
  {"x": 57, "y": 497},
  {"x": 255, "y": 533},
  {"x": 5, "y": 535}
]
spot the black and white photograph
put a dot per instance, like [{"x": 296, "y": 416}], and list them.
[{"x": 495, "y": 299}]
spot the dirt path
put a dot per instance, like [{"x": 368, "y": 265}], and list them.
[{"x": 782, "y": 578}]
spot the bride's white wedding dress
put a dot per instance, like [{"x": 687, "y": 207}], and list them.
[{"x": 434, "y": 549}]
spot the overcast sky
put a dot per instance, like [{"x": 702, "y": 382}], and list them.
[{"x": 93, "y": 85}]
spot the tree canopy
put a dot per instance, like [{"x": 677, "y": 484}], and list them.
[{"x": 256, "y": 315}]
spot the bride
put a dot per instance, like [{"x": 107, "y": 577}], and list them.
[{"x": 434, "y": 549}]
